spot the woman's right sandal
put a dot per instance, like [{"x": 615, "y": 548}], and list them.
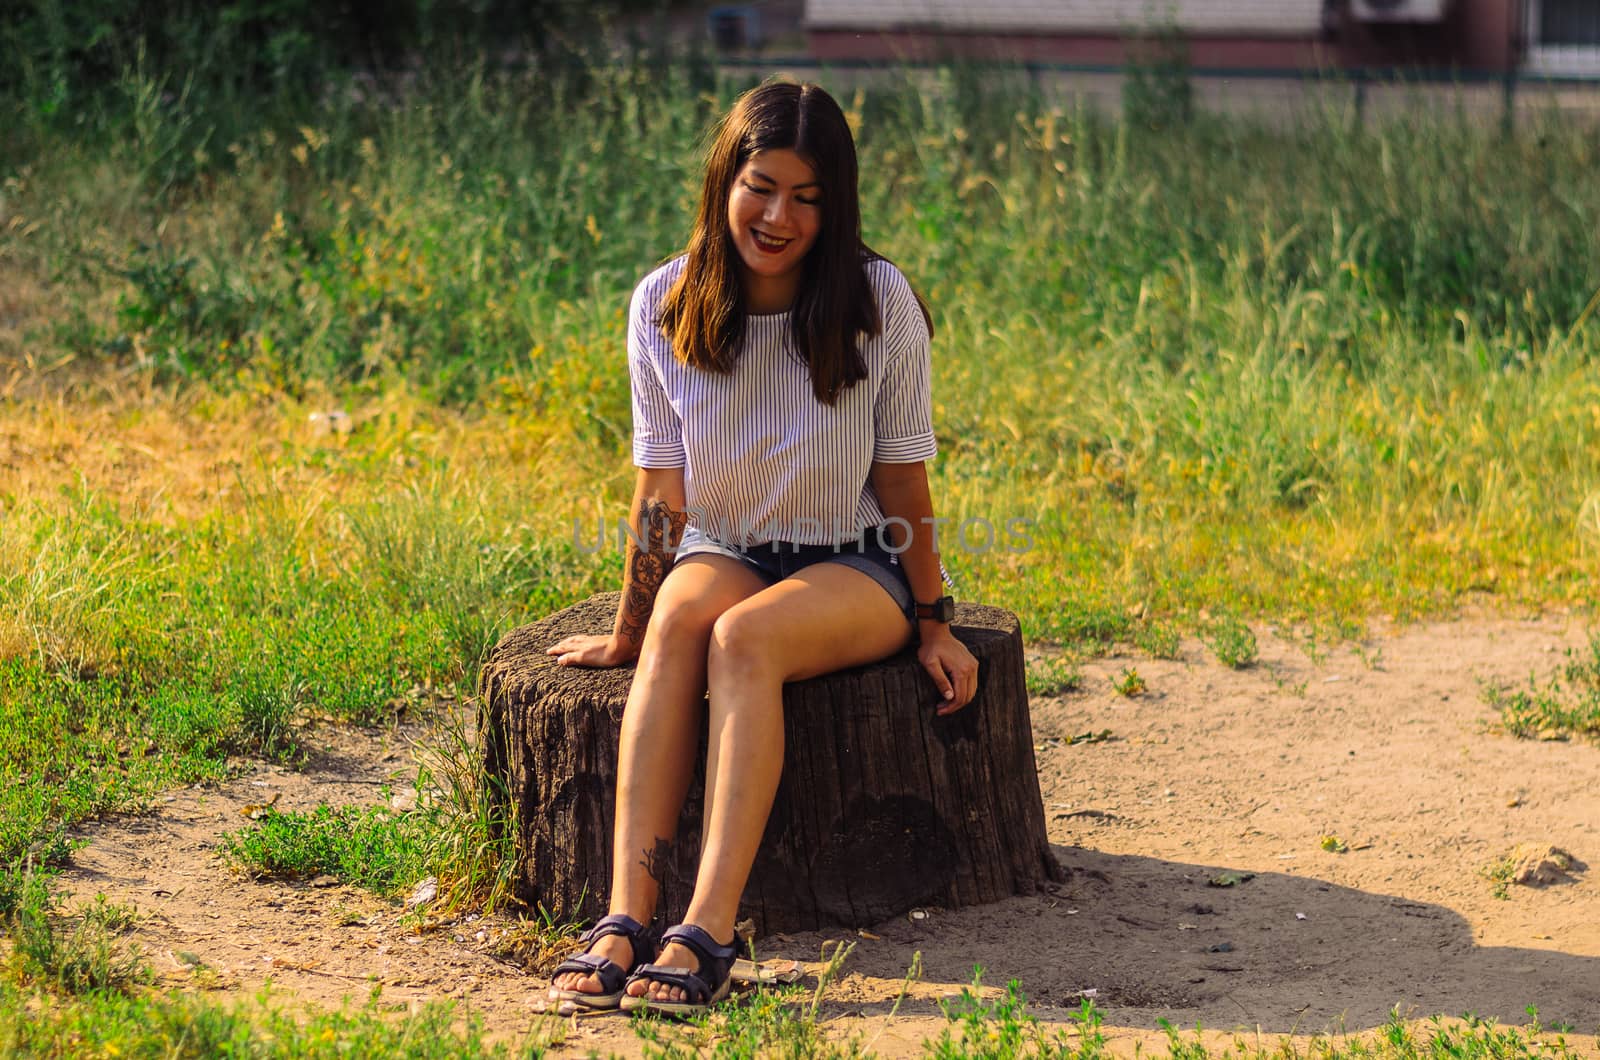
[
  {"x": 704, "y": 988},
  {"x": 610, "y": 974}
]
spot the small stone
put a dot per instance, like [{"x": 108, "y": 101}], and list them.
[
  {"x": 423, "y": 893},
  {"x": 1543, "y": 866}
]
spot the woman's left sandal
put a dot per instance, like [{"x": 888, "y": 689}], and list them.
[
  {"x": 611, "y": 974},
  {"x": 704, "y": 988}
]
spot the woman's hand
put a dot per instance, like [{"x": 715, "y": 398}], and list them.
[
  {"x": 600, "y": 650},
  {"x": 950, "y": 664}
]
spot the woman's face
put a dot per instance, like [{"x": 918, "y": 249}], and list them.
[{"x": 774, "y": 214}]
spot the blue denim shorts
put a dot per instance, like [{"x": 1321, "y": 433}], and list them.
[{"x": 777, "y": 560}]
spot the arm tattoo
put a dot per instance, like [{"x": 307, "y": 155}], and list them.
[{"x": 660, "y": 528}]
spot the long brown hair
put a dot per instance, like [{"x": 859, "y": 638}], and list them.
[{"x": 704, "y": 311}]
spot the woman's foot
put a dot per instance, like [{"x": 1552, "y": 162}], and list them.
[
  {"x": 690, "y": 975},
  {"x": 673, "y": 955},
  {"x": 618, "y": 949},
  {"x": 593, "y": 978}
]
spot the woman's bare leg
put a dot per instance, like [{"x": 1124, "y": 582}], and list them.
[
  {"x": 660, "y": 725},
  {"x": 822, "y": 619}
]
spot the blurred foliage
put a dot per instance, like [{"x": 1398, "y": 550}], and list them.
[{"x": 59, "y": 52}]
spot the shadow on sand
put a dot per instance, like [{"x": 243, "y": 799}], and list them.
[{"x": 1155, "y": 940}]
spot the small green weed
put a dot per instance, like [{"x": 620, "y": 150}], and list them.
[
  {"x": 1053, "y": 676},
  {"x": 71, "y": 954},
  {"x": 1129, "y": 683},
  {"x": 1564, "y": 707},
  {"x": 1499, "y": 873},
  {"x": 1003, "y": 1028},
  {"x": 1159, "y": 640},
  {"x": 468, "y": 834},
  {"x": 764, "y": 1022},
  {"x": 1233, "y": 642}
]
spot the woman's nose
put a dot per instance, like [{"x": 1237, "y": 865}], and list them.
[{"x": 777, "y": 209}]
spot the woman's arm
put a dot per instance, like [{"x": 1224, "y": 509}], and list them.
[
  {"x": 657, "y": 520},
  {"x": 902, "y": 491}
]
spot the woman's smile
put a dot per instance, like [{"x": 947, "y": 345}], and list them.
[{"x": 768, "y": 244}]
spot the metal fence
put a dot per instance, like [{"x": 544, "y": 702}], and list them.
[{"x": 1509, "y": 98}]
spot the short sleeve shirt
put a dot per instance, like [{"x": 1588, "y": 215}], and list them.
[{"x": 763, "y": 459}]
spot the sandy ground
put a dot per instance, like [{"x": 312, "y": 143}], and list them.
[{"x": 1386, "y": 744}]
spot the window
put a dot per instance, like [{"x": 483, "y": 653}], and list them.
[
  {"x": 1569, "y": 22},
  {"x": 1564, "y": 37}
]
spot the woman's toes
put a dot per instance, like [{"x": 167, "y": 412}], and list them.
[{"x": 586, "y": 984}]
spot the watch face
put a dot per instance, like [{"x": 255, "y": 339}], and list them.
[{"x": 945, "y": 609}]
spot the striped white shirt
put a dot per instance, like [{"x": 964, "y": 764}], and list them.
[{"x": 762, "y": 458}]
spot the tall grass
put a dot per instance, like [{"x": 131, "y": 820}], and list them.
[{"x": 1337, "y": 366}]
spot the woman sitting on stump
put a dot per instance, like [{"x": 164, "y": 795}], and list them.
[{"x": 781, "y": 418}]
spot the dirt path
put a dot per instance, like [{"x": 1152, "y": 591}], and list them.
[{"x": 1384, "y": 744}]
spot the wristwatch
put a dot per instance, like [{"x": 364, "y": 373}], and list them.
[{"x": 941, "y": 610}]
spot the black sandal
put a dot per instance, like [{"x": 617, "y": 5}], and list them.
[
  {"x": 612, "y": 975},
  {"x": 705, "y": 987}
]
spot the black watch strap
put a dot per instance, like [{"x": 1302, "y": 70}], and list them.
[{"x": 941, "y": 610}]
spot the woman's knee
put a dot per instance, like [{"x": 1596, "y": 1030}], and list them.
[
  {"x": 741, "y": 641},
  {"x": 680, "y": 618},
  {"x": 692, "y": 599}
]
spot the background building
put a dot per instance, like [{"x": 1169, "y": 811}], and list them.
[{"x": 1558, "y": 37}]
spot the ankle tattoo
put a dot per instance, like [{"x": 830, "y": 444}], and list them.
[{"x": 655, "y": 859}]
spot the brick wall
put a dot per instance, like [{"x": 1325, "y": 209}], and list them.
[{"x": 1239, "y": 17}]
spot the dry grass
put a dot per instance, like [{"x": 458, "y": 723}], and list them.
[{"x": 171, "y": 458}]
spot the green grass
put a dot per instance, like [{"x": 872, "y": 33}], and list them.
[
  {"x": 1053, "y": 676},
  {"x": 1000, "y": 1026},
  {"x": 371, "y": 847},
  {"x": 179, "y": 1026},
  {"x": 1210, "y": 364},
  {"x": 228, "y": 650},
  {"x": 455, "y": 833}
]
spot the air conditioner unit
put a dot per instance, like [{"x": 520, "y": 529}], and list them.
[{"x": 1399, "y": 10}]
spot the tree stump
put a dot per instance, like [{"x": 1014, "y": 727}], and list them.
[{"x": 883, "y": 805}]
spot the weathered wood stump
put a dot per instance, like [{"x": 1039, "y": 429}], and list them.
[{"x": 883, "y": 805}]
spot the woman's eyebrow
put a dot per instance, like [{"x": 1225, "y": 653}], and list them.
[{"x": 762, "y": 176}]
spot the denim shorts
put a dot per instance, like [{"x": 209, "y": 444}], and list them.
[{"x": 777, "y": 560}]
